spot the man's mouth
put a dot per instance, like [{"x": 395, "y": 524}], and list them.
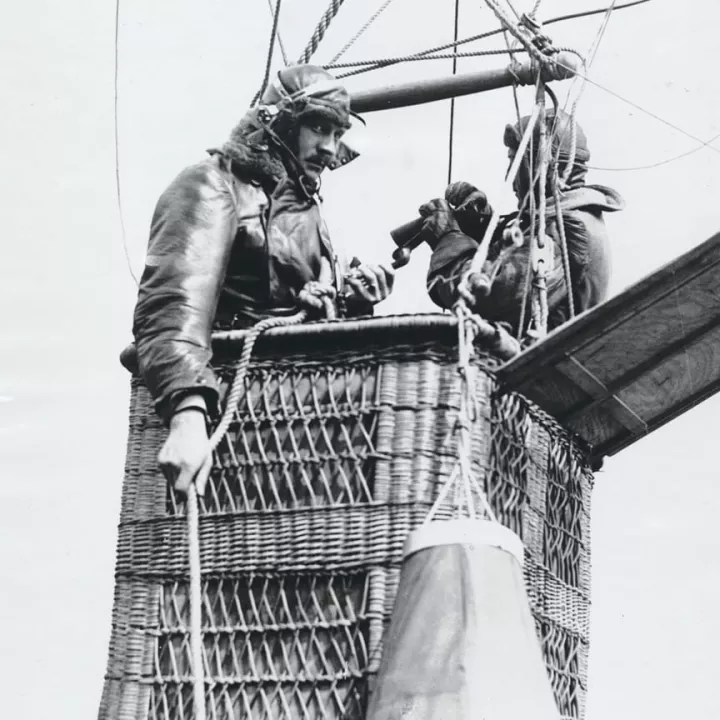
[{"x": 315, "y": 165}]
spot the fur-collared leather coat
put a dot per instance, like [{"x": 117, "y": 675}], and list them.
[
  {"x": 233, "y": 239},
  {"x": 588, "y": 249}
]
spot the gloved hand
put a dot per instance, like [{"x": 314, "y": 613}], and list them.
[
  {"x": 439, "y": 220},
  {"x": 472, "y": 209},
  {"x": 371, "y": 283}
]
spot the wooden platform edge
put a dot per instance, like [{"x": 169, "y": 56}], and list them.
[{"x": 560, "y": 346}]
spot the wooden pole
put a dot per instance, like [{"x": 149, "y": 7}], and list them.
[{"x": 564, "y": 66}]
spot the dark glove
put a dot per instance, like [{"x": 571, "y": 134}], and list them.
[
  {"x": 472, "y": 209},
  {"x": 439, "y": 221}
]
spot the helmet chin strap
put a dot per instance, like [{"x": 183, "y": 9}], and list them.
[{"x": 308, "y": 185}]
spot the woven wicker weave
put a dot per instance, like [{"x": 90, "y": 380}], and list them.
[{"x": 337, "y": 451}]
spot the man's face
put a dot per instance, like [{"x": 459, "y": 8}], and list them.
[{"x": 317, "y": 145}]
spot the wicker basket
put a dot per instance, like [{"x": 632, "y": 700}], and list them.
[{"x": 337, "y": 451}]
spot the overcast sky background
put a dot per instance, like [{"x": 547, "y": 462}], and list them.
[{"x": 187, "y": 72}]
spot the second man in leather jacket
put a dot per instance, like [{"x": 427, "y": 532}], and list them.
[{"x": 581, "y": 211}]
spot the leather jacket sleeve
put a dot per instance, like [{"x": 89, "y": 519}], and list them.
[
  {"x": 447, "y": 264},
  {"x": 192, "y": 233}
]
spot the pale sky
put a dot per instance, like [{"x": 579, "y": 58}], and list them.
[{"x": 187, "y": 72}]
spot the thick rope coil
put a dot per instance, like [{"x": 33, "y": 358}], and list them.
[
  {"x": 320, "y": 31},
  {"x": 193, "y": 519}
]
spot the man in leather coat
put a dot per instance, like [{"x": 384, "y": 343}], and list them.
[
  {"x": 235, "y": 238},
  {"x": 457, "y": 224}
]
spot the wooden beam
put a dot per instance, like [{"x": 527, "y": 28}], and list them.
[{"x": 427, "y": 91}]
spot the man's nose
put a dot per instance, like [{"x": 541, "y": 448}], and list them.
[{"x": 328, "y": 144}]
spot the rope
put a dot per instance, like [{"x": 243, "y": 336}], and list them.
[
  {"x": 416, "y": 58},
  {"x": 196, "y": 645},
  {"x": 539, "y": 281},
  {"x": 320, "y": 30},
  {"x": 118, "y": 194},
  {"x": 478, "y": 260},
  {"x": 279, "y": 36},
  {"x": 378, "y": 65},
  {"x": 361, "y": 31},
  {"x": 536, "y": 8},
  {"x": 271, "y": 48},
  {"x": 462, "y": 479},
  {"x": 451, "y": 138},
  {"x": 656, "y": 164},
  {"x": 518, "y": 31},
  {"x": 193, "y": 520},
  {"x": 563, "y": 246}
]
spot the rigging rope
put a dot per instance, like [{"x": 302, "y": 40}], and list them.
[
  {"x": 378, "y": 65},
  {"x": 542, "y": 258},
  {"x": 360, "y": 32},
  {"x": 536, "y": 8},
  {"x": 118, "y": 193},
  {"x": 271, "y": 48},
  {"x": 563, "y": 244},
  {"x": 659, "y": 163},
  {"x": 279, "y": 36},
  {"x": 461, "y": 478},
  {"x": 451, "y": 138},
  {"x": 416, "y": 58},
  {"x": 478, "y": 259},
  {"x": 320, "y": 30}
]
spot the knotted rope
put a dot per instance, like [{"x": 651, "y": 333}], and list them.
[{"x": 193, "y": 519}]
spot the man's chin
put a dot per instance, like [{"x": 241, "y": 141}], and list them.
[{"x": 313, "y": 171}]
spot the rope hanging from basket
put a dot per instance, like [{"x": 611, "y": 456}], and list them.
[
  {"x": 462, "y": 479},
  {"x": 193, "y": 514}
]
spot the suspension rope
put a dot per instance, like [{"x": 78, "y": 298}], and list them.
[
  {"x": 517, "y": 30},
  {"x": 361, "y": 31},
  {"x": 461, "y": 479},
  {"x": 279, "y": 36},
  {"x": 560, "y": 219},
  {"x": 320, "y": 30},
  {"x": 592, "y": 52},
  {"x": 478, "y": 259},
  {"x": 536, "y": 8},
  {"x": 656, "y": 164},
  {"x": 451, "y": 138},
  {"x": 542, "y": 253},
  {"x": 378, "y": 65},
  {"x": 417, "y": 58},
  {"x": 118, "y": 193},
  {"x": 271, "y": 48}
]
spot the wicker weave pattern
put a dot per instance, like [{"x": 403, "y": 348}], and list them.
[{"x": 327, "y": 467}]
